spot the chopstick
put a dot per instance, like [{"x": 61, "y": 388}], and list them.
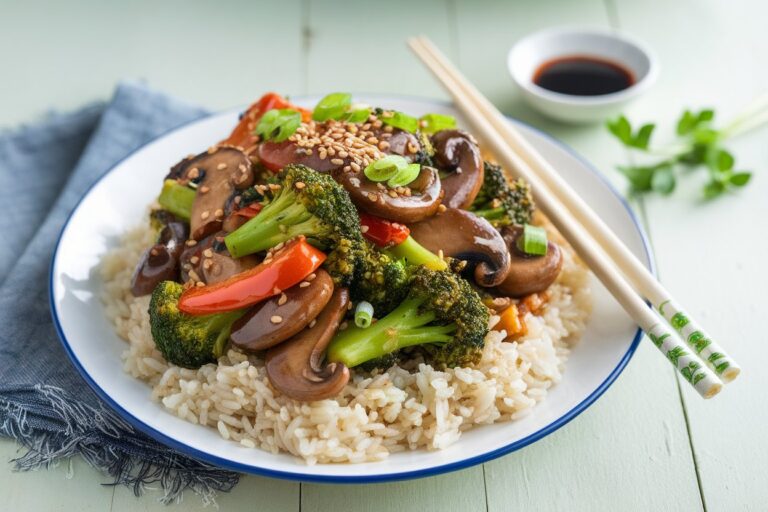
[
  {"x": 639, "y": 276},
  {"x": 691, "y": 368}
]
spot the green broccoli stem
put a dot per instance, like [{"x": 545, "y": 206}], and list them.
[
  {"x": 491, "y": 213},
  {"x": 405, "y": 326},
  {"x": 415, "y": 254},
  {"x": 221, "y": 322},
  {"x": 281, "y": 220},
  {"x": 177, "y": 199}
]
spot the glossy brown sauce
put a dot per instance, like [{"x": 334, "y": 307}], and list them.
[{"x": 582, "y": 75}]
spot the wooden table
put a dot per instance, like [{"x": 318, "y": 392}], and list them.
[{"x": 650, "y": 443}]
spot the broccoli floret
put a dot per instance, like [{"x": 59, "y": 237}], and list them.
[
  {"x": 187, "y": 340},
  {"x": 441, "y": 313},
  {"x": 380, "y": 279},
  {"x": 501, "y": 202},
  {"x": 311, "y": 204}
]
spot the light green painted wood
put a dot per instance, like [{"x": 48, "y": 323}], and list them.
[
  {"x": 58, "y": 54},
  {"x": 462, "y": 491},
  {"x": 634, "y": 439},
  {"x": 712, "y": 56},
  {"x": 252, "y": 494},
  {"x": 63, "y": 488}
]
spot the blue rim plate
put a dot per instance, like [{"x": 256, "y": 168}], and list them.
[{"x": 117, "y": 201}]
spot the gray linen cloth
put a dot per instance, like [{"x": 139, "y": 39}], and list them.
[{"x": 44, "y": 403}]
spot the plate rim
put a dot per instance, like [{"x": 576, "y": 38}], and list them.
[{"x": 352, "y": 479}]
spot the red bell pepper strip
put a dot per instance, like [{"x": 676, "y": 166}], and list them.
[
  {"x": 243, "y": 136},
  {"x": 382, "y": 232},
  {"x": 289, "y": 266},
  {"x": 249, "y": 211}
]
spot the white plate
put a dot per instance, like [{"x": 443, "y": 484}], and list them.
[{"x": 118, "y": 201}]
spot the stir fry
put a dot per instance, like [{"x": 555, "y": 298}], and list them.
[{"x": 342, "y": 237}]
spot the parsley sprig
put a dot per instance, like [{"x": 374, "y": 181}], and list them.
[{"x": 699, "y": 145}]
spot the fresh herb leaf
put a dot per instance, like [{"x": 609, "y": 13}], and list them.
[
  {"x": 332, "y": 106},
  {"x": 740, "y": 178},
  {"x": 400, "y": 120},
  {"x": 277, "y": 125},
  {"x": 699, "y": 145},
  {"x": 663, "y": 180}
]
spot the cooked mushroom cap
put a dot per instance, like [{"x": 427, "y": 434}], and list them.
[
  {"x": 529, "y": 274},
  {"x": 457, "y": 152},
  {"x": 367, "y": 196},
  {"x": 211, "y": 261},
  {"x": 295, "y": 367},
  {"x": 161, "y": 261},
  {"x": 463, "y": 235},
  {"x": 295, "y": 308},
  {"x": 217, "y": 172}
]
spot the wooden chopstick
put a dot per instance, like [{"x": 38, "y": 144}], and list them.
[
  {"x": 698, "y": 375},
  {"x": 639, "y": 276}
]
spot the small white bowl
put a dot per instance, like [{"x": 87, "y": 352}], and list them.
[{"x": 528, "y": 54}]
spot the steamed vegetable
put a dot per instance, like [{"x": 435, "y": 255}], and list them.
[
  {"x": 187, "y": 340},
  {"x": 441, "y": 313},
  {"x": 501, "y": 202}
]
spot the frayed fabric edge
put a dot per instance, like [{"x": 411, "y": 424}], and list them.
[{"x": 54, "y": 426}]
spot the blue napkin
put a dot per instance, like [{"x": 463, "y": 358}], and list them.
[{"x": 44, "y": 403}]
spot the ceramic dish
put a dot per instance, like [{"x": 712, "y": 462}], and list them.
[{"x": 117, "y": 202}]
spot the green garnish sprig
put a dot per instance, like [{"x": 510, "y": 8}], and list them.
[{"x": 699, "y": 145}]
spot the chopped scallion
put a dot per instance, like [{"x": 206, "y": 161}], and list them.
[
  {"x": 404, "y": 176},
  {"x": 400, "y": 120},
  {"x": 386, "y": 168},
  {"x": 364, "y": 314},
  {"x": 533, "y": 240},
  {"x": 333, "y": 106},
  {"x": 431, "y": 123},
  {"x": 277, "y": 125}
]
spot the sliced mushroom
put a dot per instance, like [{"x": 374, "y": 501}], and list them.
[
  {"x": 529, "y": 274},
  {"x": 217, "y": 173},
  {"x": 463, "y": 235},
  {"x": 277, "y": 319},
  {"x": 211, "y": 262},
  {"x": 457, "y": 153},
  {"x": 423, "y": 202},
  {"x": 161, "y": 261},
  {"x": 296, "y": 367}
]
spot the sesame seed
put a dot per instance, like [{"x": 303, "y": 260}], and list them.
[
  {"x": 312, "y": 323},
  {"x": 303, "y": 284},
  {"x": 282, "y": 300},
  {"x": 204, "y": 189},
  {"x": 205, "y": 214},
  {"x": 276, "y": 291},
  {"x": 373, "y": 197},
  {"x": 343, "y": 325},
  {"x": 337, "y": 161},
  {"x": 191, "y": 243},
  {"x": 441, "y": 208},
  {"x": 212, "y": 150},
  {"x": 440, "y": 254},
  {"x": 392, "y": 193},
  {"x": 193, "y": 173},
  {"x": 194, "y": 275},
  {"x": 311, "y": 277},
  {"x": 207, "y": 264},
  {"x": 208, "y": 253},
  {"x": 218, "y": 213},
  {"x": 276, "y": 319},
  {"x": 355, "y": 167},
  {"x": 278, "y": 246},
  {"x": 412, "y": 148},
  {"x": 383, "y": 145},
  {"x": 238, "y": 199},
  {"x": 343, "y": 154},
  {"x": 267, "y": 260},
  {"x": 274, "y": 186},
  {"x": 242, "y": 168},
  {"x": 300, "y": 185},
  {"x": 200, "y": 284},
  {"x": 221, "y": 166},
  {"x": 364, "y": 229},
  {"x": 194, "y": 260}
]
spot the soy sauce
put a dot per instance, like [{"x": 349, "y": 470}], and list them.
[{"x": 583, "y": 76}]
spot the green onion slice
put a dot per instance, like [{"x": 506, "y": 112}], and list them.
[
  {"x": 277, "y": 125},
  {"x": 357, "y": 116},
  {"x": 386, "y": 168},
  {"x": 333, "y": 106},
  {"x": 400, "y": 120},
  {"x": 431, "y": 123},
  {"x": 533, "y": 241},
  {"x": 404, "y": 176},
  {"x": 364, "y": 314}
]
